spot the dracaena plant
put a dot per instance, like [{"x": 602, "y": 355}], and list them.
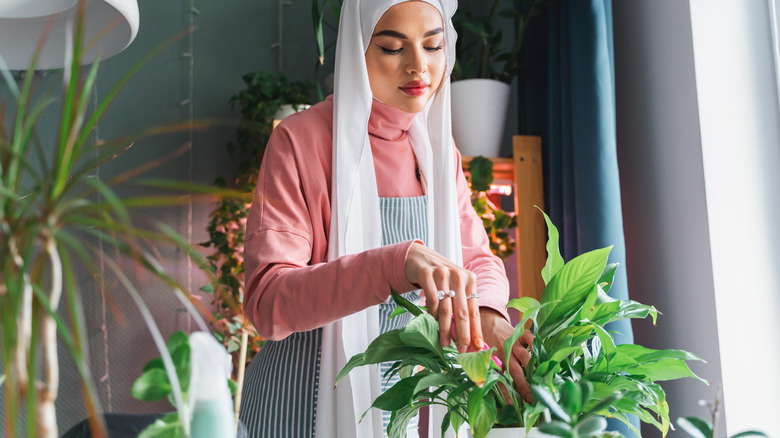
[
  {"x": 56, "y": 217},
  {"x": 577, "y": 373}
]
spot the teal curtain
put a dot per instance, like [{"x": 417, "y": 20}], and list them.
[{"x": 567, "y": 95}]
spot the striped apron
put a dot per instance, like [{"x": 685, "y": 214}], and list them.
[{"x": 280, "y": 385}]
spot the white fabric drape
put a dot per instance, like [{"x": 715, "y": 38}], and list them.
[{"x": 355, "y": 218}]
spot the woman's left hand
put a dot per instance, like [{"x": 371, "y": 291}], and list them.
[{"x": 497, "y": 330}]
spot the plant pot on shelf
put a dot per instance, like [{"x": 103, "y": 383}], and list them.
[
  {"x": 479, "y": 108},
  {"x": 287, "y": 110}
]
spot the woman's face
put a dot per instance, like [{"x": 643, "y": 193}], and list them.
[{"x": 405, "y": 58}]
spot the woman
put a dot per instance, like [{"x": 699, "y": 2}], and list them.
[{"x": 360, "y": 195}]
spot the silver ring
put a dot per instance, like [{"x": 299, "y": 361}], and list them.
[
  {"x": 452, "y": 293},
  {"x": 440, "y": 294},
  {"x": 468, "y": 297}
]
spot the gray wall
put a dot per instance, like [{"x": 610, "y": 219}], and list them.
[{"x": 662, "y": 183}]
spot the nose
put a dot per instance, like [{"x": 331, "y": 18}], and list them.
[{"x": 416, "y": 62}]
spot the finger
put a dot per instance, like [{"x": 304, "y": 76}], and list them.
[
  {"x": 429, "y": 289},
  {"x": 461, "y": 312},
  {"x": 521, "y": 353},
  {"x": 475, "y": 319},
  {"x": 516, "y": 371},
  {"x": 444, "y": 316},
  {"x": 445, "y": 320},
  {"x": 527, "y": 338}
]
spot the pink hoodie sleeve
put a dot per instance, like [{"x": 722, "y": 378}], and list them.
[{"x": 289, "y": 287}]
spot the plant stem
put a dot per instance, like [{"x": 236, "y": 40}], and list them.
[
  {"x": 715, "y": 410},
  {"x": 47, "y": 392},
  {"x": 24, "y": 318}
]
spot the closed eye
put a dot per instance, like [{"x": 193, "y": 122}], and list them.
[
  {"x": 435, "y": 49},
  {"x": 390, "y": 51}
]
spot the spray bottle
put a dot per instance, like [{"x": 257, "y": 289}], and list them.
[{"x": 210, "y": 400}]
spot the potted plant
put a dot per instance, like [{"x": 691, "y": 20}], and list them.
[
  {"x": 266, "y": 98},
  {"x": 577, "y": 374},
  {"x": 495, "y": 220},
  {"x": 484, "y": 70},
  {"x": 54, "y": 216}
]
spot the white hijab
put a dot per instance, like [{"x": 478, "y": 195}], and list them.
[{"x": 355, "y": 217}]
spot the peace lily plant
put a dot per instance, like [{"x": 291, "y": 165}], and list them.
[{"x": 578, "y": 375}]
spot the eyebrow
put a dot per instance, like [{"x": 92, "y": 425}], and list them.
[{"x": 396, "y": 34}]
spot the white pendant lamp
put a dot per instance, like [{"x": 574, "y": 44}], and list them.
[{"x": 111, "y": 24}]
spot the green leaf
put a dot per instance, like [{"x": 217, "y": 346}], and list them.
[
  {"x": 607, "y": 344},
  {"x": 455, "y": 420},
  {"x": 423, "y": 332},
  {"x": 476, "y": 365},
  {"x": 2, "y": 379},
  {"x": 608, "y": 276},
  {"x": 695, "y": 427},
  {"x": 356, "y": 361},
  {"x": 177, "y": 339},
  {"x": 389, "y": 347},
  {"x": 480, "y": 168},
  {"x": 434, "y": 380},
  {"x": 166, "y": 427},
  {"x": 153, "y": 385},
  {"x": 181, "y": 362},
  {"x": 524, "y": 305},
  {"x": 547, "y": 400},
  {"x": 399, "y": 420},
  {"x": 653, "y": 365},
  {"x": 590, "y": 427},
  {"x": 397, "y": 311},
  {"x": 507, "y": 416},
  {"x": 557, "y": 428},
  {"x": 750, "y": 433},
  {"x": 399, "y": 395},
  {"x": 571, "y": 398},
  {"x": 568, "y": 289},
  {"x": 602, "y": 406},
  {"x": 554, "y": 261},
  {"x": 482, "y": 413},
  {"x": 406, "y": 304}
]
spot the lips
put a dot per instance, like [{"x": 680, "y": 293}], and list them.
[{"x": 415, "y": 88}]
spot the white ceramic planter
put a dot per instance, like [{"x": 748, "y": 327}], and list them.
[
  {"x": 516, "y": 432},
  {"x": 513, "y": 432},
  {"x": 479, "y": 108},
  {"x": 287, "y": 110}
]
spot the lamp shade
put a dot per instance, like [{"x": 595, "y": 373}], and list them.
[{"x": 111, "y": 24}]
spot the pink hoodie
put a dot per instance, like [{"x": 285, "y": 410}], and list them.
[{"x": 290, "y": 287}]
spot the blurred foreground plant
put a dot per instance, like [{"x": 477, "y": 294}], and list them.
[{"x": 56, "y": 216}]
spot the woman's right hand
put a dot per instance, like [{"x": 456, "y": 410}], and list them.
[{"x": 434, "y": 272}]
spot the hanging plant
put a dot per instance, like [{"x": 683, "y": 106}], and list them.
[{"x": 262, "y": 98}]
